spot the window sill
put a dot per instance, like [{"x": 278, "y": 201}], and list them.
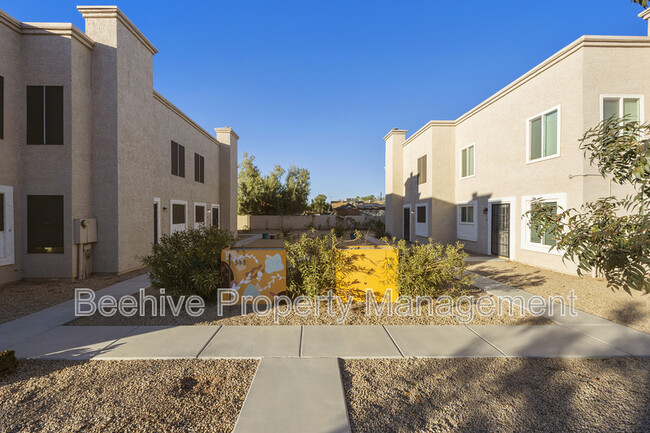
[
  {"x": 546, "y": 158},
  {"x": 467, "y": 177},
  {"x": 540, "y": 249}
]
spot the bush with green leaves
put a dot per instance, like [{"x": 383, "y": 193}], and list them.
[
  {"x": 609, "y": 236},
  {"x": 430, "y": 269},
  {"x": 312, "y": 262},
  {"x": 188, "y": 262}
]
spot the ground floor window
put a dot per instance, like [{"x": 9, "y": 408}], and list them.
[
  {"x": 466, "y": 227},
  {"x": 45, "y": 224},
  {"x": 178, "y": 215},
  {"x": 467, "y": 214},
  {"x": 532, "y": 238},
  {"x": 199, "y": 214}
]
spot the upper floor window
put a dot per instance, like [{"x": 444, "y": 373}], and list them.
[
  {"x": 544, "y": 135},
  {"x": 45, "y": 224},
  {"x": 199, "y": 168},
  {"x": 178, "y": 159},
  {"x": 2, "y": 108},
  {"x": 44, "y": 114},
  {"x": 422, "y": 170},
  {"x": 627, "y": 108},
  {"x": 467, "y": 161}
]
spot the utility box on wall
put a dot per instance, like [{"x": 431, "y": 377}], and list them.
[{"x": 85, "y": 230}]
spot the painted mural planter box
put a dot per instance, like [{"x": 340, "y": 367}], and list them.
[
  {"x": 255, "y": 272},
  {"x": 368, "y": 267}
]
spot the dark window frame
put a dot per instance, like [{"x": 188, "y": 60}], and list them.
[
  {"x": 199, "y": 168},
  {"x": 2, "y": 107},
  {"x": 178, "y": 159},
  {"x": 176, "y": 206},
  {"x": 2, "y": 212},
  {"x": 45, "y": 115},
  {"x": 419, "y": 214},
  {"x": 45, "y": 224},
  {"x": 196, "y": 213},
  {"x": 422, "y": 169}
]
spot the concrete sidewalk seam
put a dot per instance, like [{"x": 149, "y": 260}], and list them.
[
  {"x": 209, "y": 341},
  {"x": 393, "y": 340},
  {"x": 488, "y": 342},
  {"x": 302, "y": 330}
]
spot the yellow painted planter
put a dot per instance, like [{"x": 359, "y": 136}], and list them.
[
  {"x": 255, "y": 272},
  {"x": 367, "y": 267}
]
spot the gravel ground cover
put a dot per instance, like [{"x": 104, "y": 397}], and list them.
[
  {"x": 24, "y": 297},
  {"x": 357, "y": 316},
  {"x": 498, "y": 395},
  {"x": 592, "y": 294},
  {"x": 124, "y": 396}
]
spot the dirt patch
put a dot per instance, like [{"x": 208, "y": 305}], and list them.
[
  {"x": 498, "y": 395},
  {"x": 125, "y": 396},
  {"x": 25, "y": 297},
  {"x": 232, "y": 316},
  {"x": 592, "y": 294}
]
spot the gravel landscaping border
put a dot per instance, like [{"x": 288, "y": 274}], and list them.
[
  {"x": 20, "y": 298},
  {"x": 498, "y": 395},
  {"x": 125, "y": 396},
  {"x": 592, "y": 295}
]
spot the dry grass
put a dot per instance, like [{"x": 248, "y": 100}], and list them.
[
  {"x": 24, "y": 297},
  {"x": 125, "y": 396},
  {"x": 592, "y": 294}
]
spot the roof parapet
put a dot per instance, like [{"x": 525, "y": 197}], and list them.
[{"x": 94, "y": 12}]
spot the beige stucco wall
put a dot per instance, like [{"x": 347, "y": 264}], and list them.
[
  {"x": 11, "y": 70},
  {"x": 572, "y": 80},
  {"x": 116, "y": 154}
]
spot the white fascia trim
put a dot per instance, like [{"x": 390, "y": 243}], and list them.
[
  {"x": 560, "y": 199},
  {"x": 559, "y": 135}
]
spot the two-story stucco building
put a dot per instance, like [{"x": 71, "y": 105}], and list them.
[
  {"x": 95, "y": 165},
  {"x": 472, "y": 179}
]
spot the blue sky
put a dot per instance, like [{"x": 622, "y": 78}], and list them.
[{"x": 319, "y": 83}]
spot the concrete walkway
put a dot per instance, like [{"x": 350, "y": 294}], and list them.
[{"x": 299, "y": 364}]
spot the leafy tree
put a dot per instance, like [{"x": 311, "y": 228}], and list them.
[
  {"x": 611, "y": 235},
  {"x": 643, "y": 3},
  {"x": 319, "y": 205},
  {"x": 273, "y": 194}
]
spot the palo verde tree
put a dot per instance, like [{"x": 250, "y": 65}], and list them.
[
  {"x": 611, "y": 235},
  {"x": 278, "y": 193},
  {"x": 319, "y": 205}
]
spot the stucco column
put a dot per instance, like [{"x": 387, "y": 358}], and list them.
[
  {"x": 646, "y": 16},
  {"x": 228, "y": 177},
  {"x": 394, "y": 180}
]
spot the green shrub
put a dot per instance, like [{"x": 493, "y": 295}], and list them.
[
  {"x": 188, "y": 262},
  {"x": 8, "y": 362},
  {"x": 312, "y": 262},
  {"x": 430, "y": 269}
]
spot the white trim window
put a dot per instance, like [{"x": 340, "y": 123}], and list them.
[
  {"x": 467, "y": 161},
  {"x": 543, "y": 140},
  {"x": 7, "y": 254},
  {"x": 200, "y": 214},
  {"x": 532, "y": 240},
  {"x": 177, "y": 215},
  {"x": 422, "y": 220},
  {"x": 466, "y": 221},
  {"x": 627, "y": 107},
  {"x": 215, "y": 215}
]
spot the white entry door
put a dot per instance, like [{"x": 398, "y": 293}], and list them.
[{"x": 6, "y": 225}]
